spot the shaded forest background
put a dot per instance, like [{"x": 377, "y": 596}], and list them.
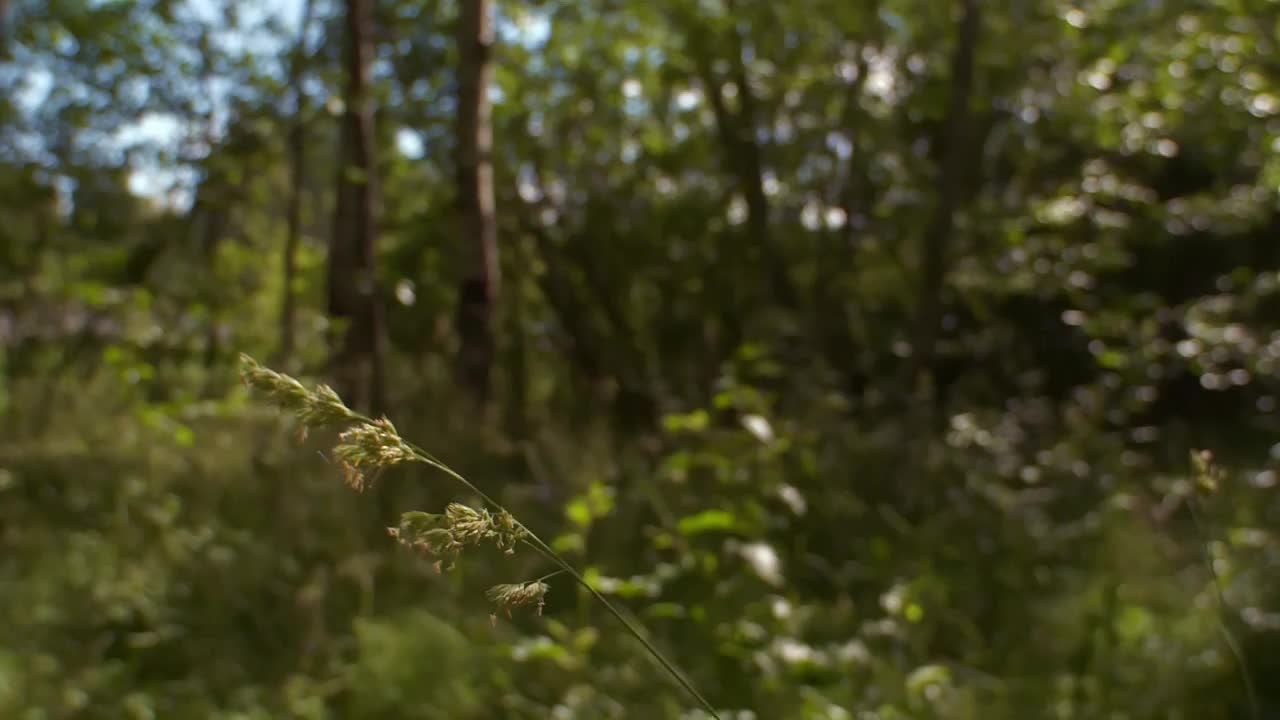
[{"x": 859, "y": 348}]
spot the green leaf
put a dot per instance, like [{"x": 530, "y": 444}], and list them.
[
  {"x": 184, "y": 435},
  {"x": 695, "y": 421},
  {"x": 578, "y": 512},
  {"x": 922, "y": 677},
  {"x": 707, "y": 521},
  {"x": 1112, "y": 360},
  {"x": 568, "y": 542}
]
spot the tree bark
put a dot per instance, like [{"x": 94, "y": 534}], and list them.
[
  {"x": 353, "y": 289},
  {"x": 481, "y": 278},
  {"x": 737, "y": 131},
  {"x": 832, "y": 321},
  {"x": 938, "y": 233},
  {"x": 297, "y": 179}
]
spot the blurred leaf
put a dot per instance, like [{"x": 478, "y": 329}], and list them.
[{"x": 707, "y": 521}]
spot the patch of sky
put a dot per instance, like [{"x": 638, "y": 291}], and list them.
[{"x": 240, "y": 28}]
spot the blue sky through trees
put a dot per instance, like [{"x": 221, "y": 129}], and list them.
[{"x": 165, "y": 173}]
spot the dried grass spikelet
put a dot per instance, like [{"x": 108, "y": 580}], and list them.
[
  {"x": 369, "y": 447},
  {"x": 507, "y": 532},
  {"x": 316, "y": 408},
  {"x": 444, "y": 536},
  {"x": 287, "y": 392},
  {"x": 468, "y": 525},
  {"x": 1208, "y": 475},
  {"x": 471, "y": 526},
  {"x": 324, "y": 407},
  {"x": 510, "y": 596},
  {"x": 428, "y": 533}
]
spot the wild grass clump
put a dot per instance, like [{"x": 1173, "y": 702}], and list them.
[{"x": 367, "y": 446}]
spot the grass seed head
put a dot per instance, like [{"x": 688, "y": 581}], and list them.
[{"x": 509, "y": 596}]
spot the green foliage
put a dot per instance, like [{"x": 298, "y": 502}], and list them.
[
  {"x": 719, "y": 419},
  {"x": 400, "y": 673},
  {"x": 366, "y": 447}
]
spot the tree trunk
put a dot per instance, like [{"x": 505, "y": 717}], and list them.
[
  {"x": 517, "y": 387},
  {"x": 938, "y": 234},
  {"x": 481, "y": 276},
  {"x": 297, "y": 179},
  {"x": 353, "y": 289},
  {"x": 832, "y": 321},
  {"x": 737, "y": 131}
]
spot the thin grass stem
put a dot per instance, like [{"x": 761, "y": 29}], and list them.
[{"x": 540, "y": 546}]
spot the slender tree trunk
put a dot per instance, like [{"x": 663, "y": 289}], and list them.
[
  {"x": 353, "y": 290},
  {"x": 481, "y": 278},
  {"x": 517, "y": 388},
  {"x": 752, "y": 178},
  {"x": 297, "y": 179},
  {"x": 832, "y": 322},
  {"x": 745, "y": 157},
  {"x": 938, "y": 234},
  {"x": 603, "y": 337}
]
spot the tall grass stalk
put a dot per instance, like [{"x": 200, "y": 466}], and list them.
[
  {"x": 367, "y": 446},
  {"x": 1209, "y": 477}
]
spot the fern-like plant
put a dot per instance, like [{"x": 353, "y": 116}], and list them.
[{"x": 367, "y": 446}]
